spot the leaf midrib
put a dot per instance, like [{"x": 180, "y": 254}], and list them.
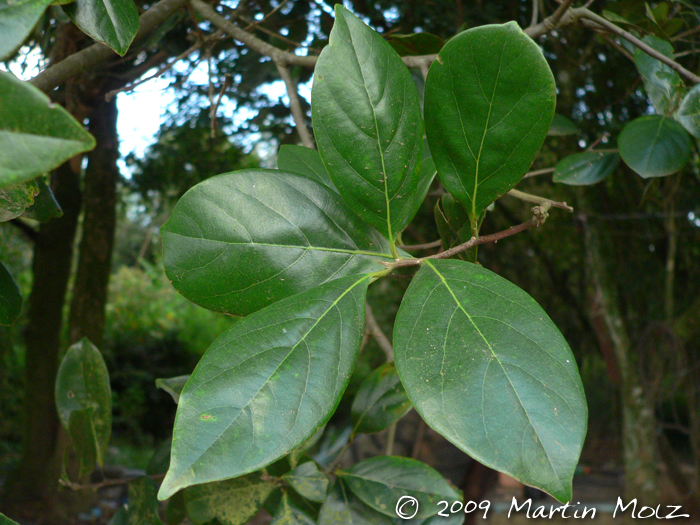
[{"x": 283, "y": 246}]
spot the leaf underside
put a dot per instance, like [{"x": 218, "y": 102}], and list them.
[{"x": 486, "y": 368}]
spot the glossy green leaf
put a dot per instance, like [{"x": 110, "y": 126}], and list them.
[
  {"x": 290, "y": 514},
  {"x": 173, "y": 385},
  {"x": 4, "y": 520},
  {"x": 332, "y": 444},
  {"x": 81, "y": 430},
  {"x": 380, "y": 401},
  {"x": 427, "y": 175},
  {"x": 15, "y": 199},
  {"x": 368, "y": 125},
  {"x": 343, "y": 508},
  {"x": 10, "y": 298},
  {"x": 36, "y": 135},
  {"x": 561, "y": 126},
  {"x": 17, "y": 19},
  {"x": 688, "y": 113},
  {"x": 308, "y": 481},
  {"x": 266, "y": 385},
  {"x": 489, "y": 102},
  {"x": 112, "y": 22},
  {"x": 82, "y": 383},
  {"x": 232, "y": 502},
  {"x": 654, "y": 146},
  {"x": 416, "y": 44},
  {"x": 485, "y": 367},
  {"x": 240, "y": 241},
  {"x": 584, "y": 168},
  {"x": 45, "y": 205},
  {"x": 381, "y": 481},
  {"x": 305, "y": 161},
  {"x": 662, "y": 83}
]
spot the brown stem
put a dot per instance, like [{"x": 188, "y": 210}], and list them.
[
  {"x": 536, "y": 199},
  {"x": 295, "y": 106},
  {"x": 104, "y": 483},
  {"x": 379, "y": 336},
  {"x": 425, "y": 246}
]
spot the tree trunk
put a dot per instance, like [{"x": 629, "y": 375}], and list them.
[
  {"x": 53, "y": 251},
  {"x": 87, "y": 311},
  {"x": 640, "y": 455}
]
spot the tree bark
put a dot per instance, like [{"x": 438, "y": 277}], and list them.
[
  {"x": 53, "y": 253},
  {"x": 87, "y": 310}
]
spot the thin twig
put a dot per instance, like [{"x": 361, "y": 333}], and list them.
[
  {"x": 295, "y": 105},
  {"x": 536, "y": 199},
  {"x": 539, "y": 216},
  {"x": 268, "y": 15},
  {"x": 597, "y": 141},
  {"x": 390, "y": 438},
  {"x": 535, "y": 12},
  {"x": 104, "y": 483},
  {"x": 612, "y": 28},
  {"x": 378, "y": 334},
  {"x": 559, "y": 13},
  {"x": 536, "y": 173},
  {"x": 425, "y": 246},
  {"x": 215, "y": 109}
]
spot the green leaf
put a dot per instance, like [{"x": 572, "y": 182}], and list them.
[
  {"x": 368, "y": 126},
  {"x": 36, "y": 135},
  {"x": 381, "y": 481},
  {"x": 332, "y": 444},
  {"x": 4, "y": 520},
  {"x": 453, "y": 225},
  {"x": 661, "y": 82},
  {"x": 142, "y": 508},
  {"x": 232, "y": 502},
  {"x": 416, "y": 44},
  {"x": 380, "y": 401},
  {"x": 584, "y": 168},
  {"x": 10, "y": 298},
  {"x": 289, "y": 514},
  {"x": 160, "y": 460},
  {"x": 45, "y": 205},
  {"x": 561, "y": 126},
  {"x": 81, "y": 429},
  {"x": 304, "y": 161},
  {"x": 173, "y": 385},
  {"x": 654, "y": 146},
  {"x": 688, "y": 113},
  {"x": 82, "y": 383},
  {"x": 427, "y": 175},
  {"x": 112, "y": 22},
  {"x": 343, "y": 508},
  {"x": 298, "y": 452},
  {"x": 489, "y": 102},
  {"x": 485, "y": 367},
  {"x": 308, "y": 481},
  {"x": 240, "y": 241},
  {"x": 266, "y": 385},
  {"x": 15, "y": 199},
  {"x": 17, "y": 19}
]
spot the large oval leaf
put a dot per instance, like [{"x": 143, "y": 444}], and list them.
[
  {"x": 689, "y": 112},
  {"x": 36, "y": 135},
  {"x": 82, "y": 387},
  {"x": 266, "y": 385},
  {"x": 10, "y": 298},
  {"x": 231, "y": 502},
  {"x": 585, "y": 168},
  {"x": 240, "y": 241},
  {"x": 17, "y": 19},
  {"x": 380, "y": 401},
  {"x": 368, "y": 125},
  {"x": 486, "y": 368},
  {"x": 112, "y": 22},
  {"x": 489, "y": 102},
  {"x": 380, "y": 482},
  {"x": 654, "y": 146}
]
